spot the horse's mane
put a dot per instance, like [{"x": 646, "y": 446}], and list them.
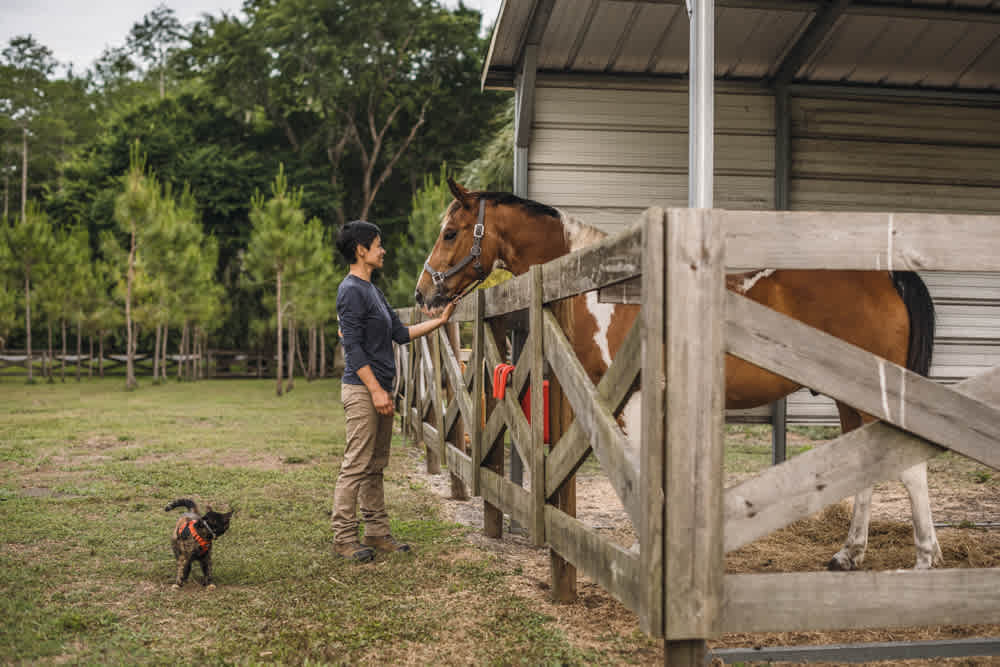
[{"x": 578, "y": 233}]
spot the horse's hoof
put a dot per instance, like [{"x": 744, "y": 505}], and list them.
[
  {"x": 210, "y": 587},
  {"x": 176, "y": 587},
  {"x": 840, "y": 563}
]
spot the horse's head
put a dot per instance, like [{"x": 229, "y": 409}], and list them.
[{"x": 463, "y": 254}]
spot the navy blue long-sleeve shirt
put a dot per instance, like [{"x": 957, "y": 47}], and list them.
[{"x": 368, "y": 326}]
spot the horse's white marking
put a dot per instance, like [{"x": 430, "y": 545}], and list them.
[
  {"x": 748, "y": 283},
  {"x": 885, "y": 394},
  {"x": 579, "y": 234},
  {"x": 892, "y": 223},
  {"x": 602, "y": 313},
  {"x": 928, "y": 550}
]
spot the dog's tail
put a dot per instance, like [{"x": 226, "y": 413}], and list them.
[{"x": 183, "y": 502}]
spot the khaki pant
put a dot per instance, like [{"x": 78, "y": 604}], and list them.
[{"x": 365, "y": 457}]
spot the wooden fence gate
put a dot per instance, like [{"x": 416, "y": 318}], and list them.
[{"x": 673, "y": 263}]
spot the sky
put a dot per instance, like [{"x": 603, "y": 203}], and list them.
[{"x": 78, "y": 34}]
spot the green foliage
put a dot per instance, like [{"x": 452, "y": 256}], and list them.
[
  {"x": 30, "y": 241},
  {"x": 380, "y": 93},
  {"x": 277, "y": 241},
  {"x": 494, "y": 168},
  {"x": 363, "y": 91},
  {"x": 429, "y": 204}
]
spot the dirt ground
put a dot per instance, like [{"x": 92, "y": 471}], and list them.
[{"x": 957, "y": 498}]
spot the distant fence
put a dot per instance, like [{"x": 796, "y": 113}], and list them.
[{"x": 216, "y": 363}]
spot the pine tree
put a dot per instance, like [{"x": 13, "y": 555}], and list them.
[
  {"x": 276, "y": 245},
  {"x": 31, "y": 244},
  {"x": 134, "y": 209}
]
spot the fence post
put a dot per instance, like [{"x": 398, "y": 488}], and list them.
[
  {"x": 693, "y": 451},
  {"x": 438, "y": 397},
  {"x": 653, "y": 389},
  {"x": 492, "y": 515},
  {"x": 416, "y": 425},
  {"x": 457, "y": 432},
  {"x": 537, "y": 449},
  {"x": 478, "y": 393},
  {"x": 561, "y": 416}
]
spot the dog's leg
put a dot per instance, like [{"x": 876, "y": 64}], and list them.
[
  {"x": 206, "y": 569},
  {"x": 183, "y": 570}
]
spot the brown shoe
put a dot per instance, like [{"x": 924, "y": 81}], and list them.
[
  {"x": 386, "y": 544},
  {"x": 354, "y": 551}
]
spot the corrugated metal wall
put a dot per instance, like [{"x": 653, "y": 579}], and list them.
[{"x": 605, "y": 150}]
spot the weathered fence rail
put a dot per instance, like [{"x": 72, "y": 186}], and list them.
[{"x": 674, "y": 263}]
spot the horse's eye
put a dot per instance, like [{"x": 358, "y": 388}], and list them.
[{"x": 450, "y": 234}]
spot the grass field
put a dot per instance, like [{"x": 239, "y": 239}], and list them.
[
  {"x": 85, "y": 561},
  {"x": 86, "y": 566}
]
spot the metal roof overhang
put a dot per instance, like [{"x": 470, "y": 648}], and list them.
[{"x": 934, "y": 47}]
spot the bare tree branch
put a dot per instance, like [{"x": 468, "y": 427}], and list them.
[{"x": 387, "y": 171}]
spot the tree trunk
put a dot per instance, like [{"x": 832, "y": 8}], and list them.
[
  {"x": 24, "y": 181},
  {"x": 278, "y": 370},
  {"x": 47, "y": 360},
  {"x": 100, "y": 352},
  {"x": 62, "y": 365},
  {"x": 260, "y": 363},
  {"x": 6, "y": 190},
  {"x": 180, "y": 352},
  {"x": 291, "y": 356},
  {"x": 156, "y": 355},
  {"x": 298, "y": 352},
  {"x": 311, "y": 373},
  {"x": 27, "y": 320},
  {"x": 90, "y": 357},
  {"x": 200, "y": 364},
  {"x": 79, "y": 348},
  {"x": 166, "y": 334},
  {"x": 130, "y": 382},
  {"x": 322, "y": 352}
]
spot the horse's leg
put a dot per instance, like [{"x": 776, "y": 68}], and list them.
[
  {"x": 924, "y": 537},
  {"x": 852, "y": 554}
]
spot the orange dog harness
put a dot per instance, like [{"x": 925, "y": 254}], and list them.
[{"x": 188, "y": 530}]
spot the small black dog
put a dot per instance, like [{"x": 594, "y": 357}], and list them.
[{"x": 193, "y": 537}]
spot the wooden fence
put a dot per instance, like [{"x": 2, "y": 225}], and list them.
[
  {"x": 672, "y": 488},
  {"x": 216, "y": 363}
]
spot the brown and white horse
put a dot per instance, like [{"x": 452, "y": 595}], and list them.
[{"x": 890, "y": 315}]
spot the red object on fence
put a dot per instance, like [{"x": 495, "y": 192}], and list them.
[
  {"x": 501, "y": 373},
  {"x": 526, "y": 406}
]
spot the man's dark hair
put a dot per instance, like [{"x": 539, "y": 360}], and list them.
[{"x": 353, "y": 233}]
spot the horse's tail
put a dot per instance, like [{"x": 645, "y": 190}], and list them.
[{"x": 920, "y": 307}]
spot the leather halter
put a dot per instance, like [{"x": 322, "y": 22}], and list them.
[{"x": 474, "y": 252}]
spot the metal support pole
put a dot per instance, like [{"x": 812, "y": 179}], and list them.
[
  {"x": 782, "y": 180},
  {"x": 701, "y": 105},
  {"x": 524, "y": 112}
]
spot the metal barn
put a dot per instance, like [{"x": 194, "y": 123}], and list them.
[{"x": 822, "y": 105}]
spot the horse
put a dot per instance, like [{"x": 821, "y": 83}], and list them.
[{"x": 888, "y": 314}]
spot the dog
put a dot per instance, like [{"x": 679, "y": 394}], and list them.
[{"x": 193, "y": 537}]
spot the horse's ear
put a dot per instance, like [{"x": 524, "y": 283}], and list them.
[{"x": 461, "y": 194}]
